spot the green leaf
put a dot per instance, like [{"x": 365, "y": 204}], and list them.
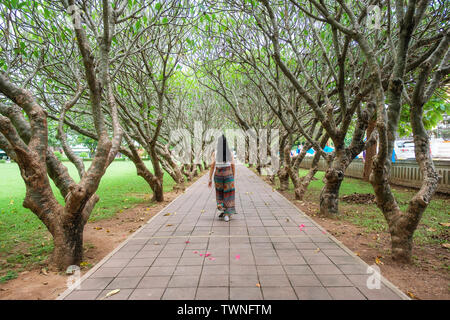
[{"x": 46, "y": 13}]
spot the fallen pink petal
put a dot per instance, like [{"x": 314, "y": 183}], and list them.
[
  {"x": 188, "y": 241},
  {"x": 212, "y": 258},
  {"x": 196, "y": 252},
  {"x": 201, "y": 254},
  {"x": 207, "y": 254},
  {"x": 238, "y": 256}
]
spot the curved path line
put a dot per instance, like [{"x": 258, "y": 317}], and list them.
[{"x": 186, "y": 252}]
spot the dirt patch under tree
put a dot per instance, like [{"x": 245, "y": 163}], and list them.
[{"x": 359, "y": 198}]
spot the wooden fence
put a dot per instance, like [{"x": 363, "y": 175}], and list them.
[{"x": 403, "y": 172}]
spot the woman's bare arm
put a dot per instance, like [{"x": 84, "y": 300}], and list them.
[
  {"x": 211, "y": 168},
  {"x": 233, "y": 167}
]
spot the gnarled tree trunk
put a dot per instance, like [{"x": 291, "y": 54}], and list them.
[
  {"x": 27, "y": 143},
  {"x": 158, "y": 191},
  {"x": 68, "y": 242},
  {"x": 283, "y": 176},
  {"x": 172, "y": 168},
  {"x": 329, "y": 196},
  {"x": 292, "y": 168},
  {"x": 300, "y": 190},
  {"x": 370, "y": 152},
  {"x": 154, "y": 182},
  {"x": 189, "y": 171}
]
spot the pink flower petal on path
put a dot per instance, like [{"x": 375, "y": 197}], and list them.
[
  {"x": 238, "y": 256},
  {"x": 212, "y": 259},
  {"x": 195, "y": 252},
  {"x": 188, "y": 241},
  {"x": 207, "y": 254},
  {"x": 201, "y": 254}
]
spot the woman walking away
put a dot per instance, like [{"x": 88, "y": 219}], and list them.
[{"x": 223, "y": 162}]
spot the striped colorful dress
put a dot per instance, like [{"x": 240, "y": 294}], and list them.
[{"x": 224, "y": 182}]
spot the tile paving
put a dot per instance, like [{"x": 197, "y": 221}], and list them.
[{"x": 185, "y": 252}]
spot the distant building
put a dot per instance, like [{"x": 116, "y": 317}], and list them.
[{"x": 442, "y": 130}]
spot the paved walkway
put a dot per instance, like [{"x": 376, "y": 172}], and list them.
[{"x": 264, "y": 252}]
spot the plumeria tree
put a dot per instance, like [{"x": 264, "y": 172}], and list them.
[{"x": 24, "y": 126}]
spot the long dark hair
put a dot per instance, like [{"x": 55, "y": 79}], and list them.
[{"x": 223, "y": 153}]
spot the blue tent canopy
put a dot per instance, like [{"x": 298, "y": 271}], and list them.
[{"x": 326, "y": 149}]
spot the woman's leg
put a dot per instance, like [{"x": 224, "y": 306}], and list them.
[
  {"x": 218, "y": 182},
  {"x": 229, "y": 192}
]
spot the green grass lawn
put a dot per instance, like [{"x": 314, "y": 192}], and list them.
[
  {"x": 371, "y": 218},
  {"x": 24, "y": 242}
]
